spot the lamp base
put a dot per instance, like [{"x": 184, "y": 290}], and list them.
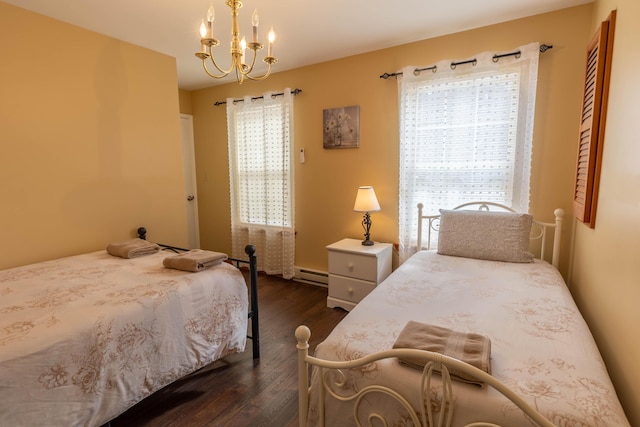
[{"x": 366, "y": 224}]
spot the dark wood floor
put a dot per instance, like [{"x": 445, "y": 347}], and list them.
[{"x": 238, "y": 391}]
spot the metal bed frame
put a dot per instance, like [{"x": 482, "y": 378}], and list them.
[
  {"x": 252, "y": 262},
  {"x": 436, "y": 364}
]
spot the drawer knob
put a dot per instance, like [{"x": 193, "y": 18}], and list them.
[
  {"x": 350, "y": 291},
  {"x": 350, "y": 266}
]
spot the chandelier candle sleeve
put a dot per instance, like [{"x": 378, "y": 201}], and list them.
[
  {"x": 272, "y": 37},
  {"x": 366, "y": 201},
  {"x": 255, "y": 20},
  {"x": 203, "y": 46},
  {"x": 243, "y": 47}
]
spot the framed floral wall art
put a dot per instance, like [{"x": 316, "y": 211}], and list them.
[{"x": 341, "y": 127}]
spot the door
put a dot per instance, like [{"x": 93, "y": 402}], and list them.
[{"x": 190, "y": 190}]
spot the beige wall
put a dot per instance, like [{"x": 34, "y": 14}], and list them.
[
  {"x": 326, "y": 183},
  {"x": 605, "y": 277},
  {"x": 90, "y": 140}
]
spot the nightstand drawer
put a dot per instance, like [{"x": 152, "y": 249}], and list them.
[
  {"x": 358, "y": 266},
  {"x": 348, "y": 289}
]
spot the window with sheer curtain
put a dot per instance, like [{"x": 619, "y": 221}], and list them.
[
  {"x": 465, "y": 135},
  {"x": 260, "y": 135}
]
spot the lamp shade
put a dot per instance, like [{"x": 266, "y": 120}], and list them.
[{"x": 366, "y": 200}]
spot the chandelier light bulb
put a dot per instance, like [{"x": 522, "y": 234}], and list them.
[
  {"x": 272, "y": 35},
  {"x": 203, "y": 30}
]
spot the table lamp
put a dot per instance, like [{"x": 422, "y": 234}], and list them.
[{"x": 366, "y": 202}]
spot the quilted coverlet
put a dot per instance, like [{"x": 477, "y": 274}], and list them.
[
  {"x": 540, "y": 345},
  {"x": 84, "y": 338}
]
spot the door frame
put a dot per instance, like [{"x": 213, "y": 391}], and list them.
[{"x": 190, "y": 186}]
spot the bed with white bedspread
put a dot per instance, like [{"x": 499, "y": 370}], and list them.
[
  {"x": 83, "y": 338},
  {"x": 541, "y": 349}
]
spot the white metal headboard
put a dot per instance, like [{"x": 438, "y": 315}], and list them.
[{"x": 540, "y": 230}]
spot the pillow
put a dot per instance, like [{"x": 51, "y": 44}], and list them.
[{"x": 496, "y": 236}]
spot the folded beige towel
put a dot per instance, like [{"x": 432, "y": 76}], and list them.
[
  {"x": 474, "y": 349},
  {"x": 132, "y": 248},
  {"x": 194, "y": 260}
]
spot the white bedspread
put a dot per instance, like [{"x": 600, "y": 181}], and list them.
[
  {"x": 84, "y": 338},
  {"x": 541, "y": 346}
]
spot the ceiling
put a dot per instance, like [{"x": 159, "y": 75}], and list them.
[{"x": 307, "y": 31}]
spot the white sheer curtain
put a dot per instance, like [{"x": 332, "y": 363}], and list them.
[
  {"x": 261, "y": 178},
  {"x": 465, "y": 135}
]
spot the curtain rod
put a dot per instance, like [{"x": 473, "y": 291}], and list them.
[
  {"x": 496, "y": 58},
  {"x": 293, "y": 92}
]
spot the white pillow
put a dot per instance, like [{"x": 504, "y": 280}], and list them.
[{"x": 496, "y": 236}]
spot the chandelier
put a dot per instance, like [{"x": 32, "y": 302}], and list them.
[{"x": 238, "y": 61}]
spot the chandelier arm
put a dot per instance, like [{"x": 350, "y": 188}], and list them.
[
  {"x": 215, "y": 76},
  {"x": 249, "y": 69},
  {"x": 239, "y": 75},
  {"x": 262, "y": 77},
  {"x": 223, "y": 71}
]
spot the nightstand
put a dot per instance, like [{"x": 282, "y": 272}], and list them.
[{"x": 354, "y": 270}]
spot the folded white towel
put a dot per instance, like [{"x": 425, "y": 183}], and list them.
[
  {"x": 194, "y": 260},
  {"x": 132, "y": 248}
]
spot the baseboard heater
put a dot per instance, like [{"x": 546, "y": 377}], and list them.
[{"x": 312, "y": 277}]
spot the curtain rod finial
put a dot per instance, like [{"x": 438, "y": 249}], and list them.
[{"x": 545, "y": 47}]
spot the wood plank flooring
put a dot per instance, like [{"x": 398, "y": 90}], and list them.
[{"x": 237, "y": 391}]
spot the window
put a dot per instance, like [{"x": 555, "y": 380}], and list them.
[
  {"x": 261, "y": 178},
  {"x": 465, "y": 135}
]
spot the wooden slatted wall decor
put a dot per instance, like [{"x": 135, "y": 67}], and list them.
[{"x": 594, "y": 108}]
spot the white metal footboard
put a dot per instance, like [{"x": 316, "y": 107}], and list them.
[{"x": 434, "y": 362}]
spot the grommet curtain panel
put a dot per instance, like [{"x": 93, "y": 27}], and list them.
[
  {"x": 260, "y": 141},
  {"x": 466, "y": 131}
]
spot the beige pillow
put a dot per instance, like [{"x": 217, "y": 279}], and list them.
[{"x": 496, "y": 236}]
